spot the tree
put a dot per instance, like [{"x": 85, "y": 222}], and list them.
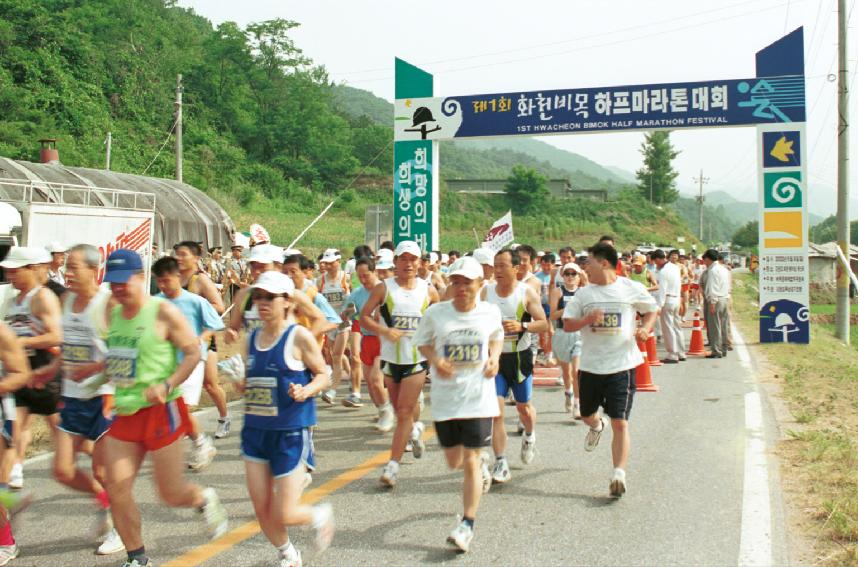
[
  {"x": 657, "y": 176},
  {"x": 526, "y": 188},
  {"x": 748, "y": 235}
]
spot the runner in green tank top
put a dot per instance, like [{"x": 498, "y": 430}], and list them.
[{"x": 143, "y": 339}]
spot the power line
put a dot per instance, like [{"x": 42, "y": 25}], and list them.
[{"x": 167, "y": 139}]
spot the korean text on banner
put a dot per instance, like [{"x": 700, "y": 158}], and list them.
[{"x": 412, "y": 190}]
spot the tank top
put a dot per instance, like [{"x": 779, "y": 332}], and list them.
[
  {"x": 270, "y": 371},
  {"x": 334, "y": 291},
  {"x": 402, "y": 310},
  {"x": 191, "y": 279},
  {"x": 137, "y": 357},
  {"x": 641, "y": 278},
  {"x": 23, "y": 323},
  {"x": 83, "y": 341},
  {"x": 544, "y": 281},
  {"x": 561, "y": 303},
  {"x": 512, "y": 308}
]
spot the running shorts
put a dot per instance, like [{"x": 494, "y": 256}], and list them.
[
  {"x": 472, "y": 433},
  {"x": 355, "y": 326},
  {"x": 401, "y": 371},
  {"x": 516, "y": 374},
  {"x": 685, "y": 287},
  {"x": 614, "y": 392},
  {"x": 86, "y": 418},
  {"x": 40, "y": 401},
  {"x": 285, "y": 451},
  {"x": 370, "y": 349},
  {"x": 154, "y": 427},
  {"x": 565, "y": 345}
]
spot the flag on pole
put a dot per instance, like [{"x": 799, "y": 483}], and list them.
[{"x": 500, "y": 234}]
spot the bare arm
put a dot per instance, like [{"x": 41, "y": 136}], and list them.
[
  {"x": 376, "y": 297},
  {"x": 14, "y": 359},
  {"x": 236, "y": 316},
  {"x": 207, "y": 289},
  {"x": 538, "y": 323},
  {"x": 553, "y": 301},
  {"x": 307, "y": 351},
  {"x": 434, "y": 296}
]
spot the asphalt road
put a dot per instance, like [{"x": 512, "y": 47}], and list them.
[{"x": 685, "y": 503}]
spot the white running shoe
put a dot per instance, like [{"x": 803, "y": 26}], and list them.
[
  {"x": 291, "y": 558},
  {"x": 8, "y": 553},
  {"x": 593, "y": 436},
  {"x": 528, "y": 449},
  {"x": 461, "y": 536},
  {"x": 352, "y": 401},
  {"x": 500, "y": 472},
  {"x": 324, "y": 526},
  {"x": 389, "y": 474},
  {"x": 217, "y": 521},
  {"x": 222, "y": 428},
  {"x": 202, "y": 453},
  {"x": 328, "y": 396},
  {"x": 618, "y": 483},
  {"x": 408, "y": 447},
  {"x": 16, "y": 477},
  {"x": 386, "y": 420},
  {"x": 112, "y": 544},
  {"x": 102, "y": 525},
  {"x": 418, "y": 446},
  {"x": 570, "y": 402},
  {"x": 486, "y": 473}
]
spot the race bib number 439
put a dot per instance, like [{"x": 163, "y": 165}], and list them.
[{"x": 611, "y": 323}]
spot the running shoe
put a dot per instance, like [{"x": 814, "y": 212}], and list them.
[
  {"x": 528, "y": 450},
  {"x": 352, "y": 401},
  {"x": 136, "y": 563},
  {"x": 223, "y": 425},
  {"x": 386, "y": 420},
  {"x": 461, "y": 537},
  {"x": 291, "y": 558},
  {"x": 323, "y": 523},
  {"x": 202, "y": 454},
  {"x": 618, "y": 483},
  {"x": 389, "y": 474},
  {"x": 102, "y": 524},
  {"x": 112, "y": 544},
  {"x": 593, "y": 436},
  {"x": 329, "y": 396},
  {"x": 570, "y": 402},
  {"x": 214, "y": 514},
  {"x": 500, "y": 472},
  {"x": 417, "y": 443},
  {"x": 486, "y": 473},
  {"x": 408, "y": 446},
  {"x": 16, "y": 476},
  {"x": 8, "y": 553}
]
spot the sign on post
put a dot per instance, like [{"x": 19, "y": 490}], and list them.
[{"x": 500, "y": 234}]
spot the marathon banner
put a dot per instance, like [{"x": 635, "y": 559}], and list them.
[
  {"x": 500, "y": 234},
  {"x": 412, "y": 193},
  {"x": 734, "y": 102}
]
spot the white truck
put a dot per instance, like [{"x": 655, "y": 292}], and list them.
[{"x": 36, "y": 213}]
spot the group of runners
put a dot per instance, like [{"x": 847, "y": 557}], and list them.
[{"x": 115, "y": 370}]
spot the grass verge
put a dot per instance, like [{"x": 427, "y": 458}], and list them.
[{"x": 820, "y": 460}]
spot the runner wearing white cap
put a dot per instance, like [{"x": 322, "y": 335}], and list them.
[
  {"x": 566, "y": 345},
  {"x": 401, "y": 301},
  {"x": 57, "y": 269},
  {"x": 486, "y": 258},
  {"x": 334, "y": 285},
  {"x": 462, "y": 340}
]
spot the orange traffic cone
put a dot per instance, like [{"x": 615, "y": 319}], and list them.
[
  {"x": 696, "y": 348},
  {"x": 643, "y": 377},
  {"x": 652, "y": 352}
]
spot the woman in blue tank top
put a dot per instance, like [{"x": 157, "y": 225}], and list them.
[{"x": 285, "y": 370}]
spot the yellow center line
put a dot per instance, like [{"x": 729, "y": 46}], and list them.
[{"x": 198, "y": 555}]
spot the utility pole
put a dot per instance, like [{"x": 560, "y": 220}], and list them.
[
  {"x": 842, "y": 313},
  {"x": 701, "y": 180},
  {"x": 107, "y": 143},
  {"x": 178, "y": 114}
]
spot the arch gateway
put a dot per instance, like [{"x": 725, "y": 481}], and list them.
[{"x": 773, "y": 102}]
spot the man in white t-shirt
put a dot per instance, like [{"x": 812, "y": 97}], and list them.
[
  {"x": 462, "y": 340},
  {"x": 605, "y": 312}
]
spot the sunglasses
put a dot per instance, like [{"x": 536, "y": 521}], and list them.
[
  {"x": 264, "y": 296},
  {"x": 567, "y": 274}
]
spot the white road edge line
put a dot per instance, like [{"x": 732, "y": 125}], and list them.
[
  {"x": 50, "y": 454},
  {"x": 755, "y": 543}
]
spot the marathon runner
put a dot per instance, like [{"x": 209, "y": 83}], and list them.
[
  {"x": 194, "y": 280},
  {"x": 522, "y": 314},
  {"x": 546, "y": 268},
  {"x": 605, "y": 311},
  {"x": 285, "y": 370},
  {"x": 204, "y": 321},
  {"x": 144, "y": 336},
  {"x": 462, "y": 340},
  {"x": 334, "y": 285},
  {"x": 401, "y": 301},
  {"x": 567, "y": 346}
]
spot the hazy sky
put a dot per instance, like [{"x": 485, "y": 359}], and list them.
[{"x": 484, "y": 47}]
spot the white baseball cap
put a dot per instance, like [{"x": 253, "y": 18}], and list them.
[
  {"x": 331, "y": 255},
  {"x": 572, "y": 266},
  {"x": 445, "y": 258},
  {"x": 433, "y": 258},
  {"x": 384, "y": 260},
  {"x": 275, "y": 282},
  {"x": 265, "y": 254},
  {"x": 20, "y": 256},
  {"x": 407, "y": 247},
  {"x": 291, "y": 252},
  {"x": 467, "y": 267},
  {"x": 55, "y": 247},
  {"x": 484, "y": 256}
]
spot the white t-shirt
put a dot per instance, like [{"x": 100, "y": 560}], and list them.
[
  {"x": 463, "y": 338},
  {"x": 610, "y": 347}
]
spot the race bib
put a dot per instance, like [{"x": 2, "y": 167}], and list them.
[
  {"x": 260, "y": 396},
  {"x": 121, "y": 366},
  {"x": 510, "y": 336},
  {"x": 464, "y": 354},
  {"x": 334, "y": 297},
  {"x": 612, "y": 323},
  {"x": 73, "y": 353},
  {"x": 406, "y": 323}
]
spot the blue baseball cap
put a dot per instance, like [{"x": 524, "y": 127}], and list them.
[{"x": 121, "y": 265}]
